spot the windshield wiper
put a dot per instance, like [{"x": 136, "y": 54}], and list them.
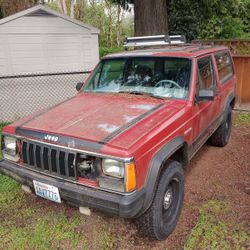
[{"x": 135, "y": 92}]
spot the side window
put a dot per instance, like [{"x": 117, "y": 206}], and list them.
[
  {"x": 205, "y": 74},
  {"x": 224, "y": 65}
]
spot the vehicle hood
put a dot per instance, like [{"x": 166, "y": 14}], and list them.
[{"x": 91, "y": 120}]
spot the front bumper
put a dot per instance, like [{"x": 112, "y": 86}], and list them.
[{"x": 127, "y": 206}]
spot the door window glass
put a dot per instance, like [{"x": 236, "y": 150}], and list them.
[
  {"x": 206, "y": 78},
  {"x": 224, "y": 65}
]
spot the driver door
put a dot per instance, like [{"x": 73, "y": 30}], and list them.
[{"x": 205, "y": 111}]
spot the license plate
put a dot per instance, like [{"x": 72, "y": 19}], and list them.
[{"x": 47, "y": 191}]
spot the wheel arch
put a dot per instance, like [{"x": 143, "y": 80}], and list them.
[
  {"x": 230, "y": 101},
  {"x": 170, "y": 151}
]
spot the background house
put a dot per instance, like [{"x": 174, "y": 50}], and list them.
[{"x": 43, "y": 54}]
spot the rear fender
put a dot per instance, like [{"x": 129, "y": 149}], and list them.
[{"x": 230, "y": 98}]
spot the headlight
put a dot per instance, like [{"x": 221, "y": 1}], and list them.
[
  {"x": 9, "y": 148},
  {"x": 10, "y": 145},
  {"x": 113, "y": 168}
]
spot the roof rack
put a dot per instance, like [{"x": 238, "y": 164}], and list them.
[{"x": 149, "y": 41}]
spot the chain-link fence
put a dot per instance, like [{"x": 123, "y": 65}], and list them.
[{"x": 21, "y": 95}]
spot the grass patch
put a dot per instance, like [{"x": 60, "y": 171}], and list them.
[
  {"x": 104, "y": 240},
  {"x": 50, "y": 231},
  {"x": 10, "y": 193},
  {"x": 24, "y": 225},
  {"x": 214, "y": 229},
  {"x": 243, "y": 119}
]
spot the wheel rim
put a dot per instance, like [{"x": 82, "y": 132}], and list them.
[
  {"x": 170, "y": 200},
  {"x": 227, "y": 125},
  {"x": 167, "y": 199}
]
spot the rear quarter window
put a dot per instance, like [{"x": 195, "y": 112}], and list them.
[{"x": 224, "y": 65}]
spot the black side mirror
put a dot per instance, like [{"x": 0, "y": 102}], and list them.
[
  {"x": 205, "y": 95},
  {"x": 79, "y": 86}
]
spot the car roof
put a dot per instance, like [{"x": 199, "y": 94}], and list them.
[{"x": 190, "y": 50}]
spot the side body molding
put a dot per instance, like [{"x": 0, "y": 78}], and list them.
[{"x": 155, "y": 167}]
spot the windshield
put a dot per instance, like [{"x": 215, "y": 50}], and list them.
[{"x": 155, "y": 76}]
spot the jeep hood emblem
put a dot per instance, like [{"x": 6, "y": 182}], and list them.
[{"x": 51, "y": 138}]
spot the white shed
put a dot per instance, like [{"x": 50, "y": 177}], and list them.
[{"x": 42, "y": 40}]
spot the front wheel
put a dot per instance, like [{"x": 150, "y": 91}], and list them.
[
  {"x": 221, "y": 136},
  {"x": 161, "y": 218}
]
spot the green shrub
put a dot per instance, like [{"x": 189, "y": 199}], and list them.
[{"x": 105, "y": 50}]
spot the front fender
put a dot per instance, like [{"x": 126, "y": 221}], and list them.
[{"x": 155, "y": 167}]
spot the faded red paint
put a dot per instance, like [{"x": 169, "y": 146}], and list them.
[
  {"x": 10, "y": 129},
  {"x": 91, "y": 116}
]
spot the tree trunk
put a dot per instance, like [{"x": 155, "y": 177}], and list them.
[
  {"x": 62, "y": 6},
  {"x": 72, "y": 8},
  {"x": 150, "y": 17},
  {"x": 108, "y": 5},
  {"x": 119, "y": 25}
]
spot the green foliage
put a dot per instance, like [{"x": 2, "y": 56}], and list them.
[
  {"x": 111, "y": 20},
  {"x": 210, "y": 19},
  {"x": 214, "y": 231},
  {"x": 105, "y": 51},
  {"x": 106, "y": 15},
  {"x": 203, "y": 19},
  {"x": 225, "y": 20},
  {"x": 54, "y": 6},
  {"x": 184, "y": 18}
]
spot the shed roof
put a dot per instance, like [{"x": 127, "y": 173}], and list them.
[{"x": 42, "y": 10}]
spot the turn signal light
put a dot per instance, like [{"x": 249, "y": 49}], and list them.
[{"x": 130, "y": 177}]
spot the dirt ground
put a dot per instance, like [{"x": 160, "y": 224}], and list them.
[{"x": 214, "y": 174}]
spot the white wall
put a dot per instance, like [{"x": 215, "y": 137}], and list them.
[{"x": 32, "y": 44}]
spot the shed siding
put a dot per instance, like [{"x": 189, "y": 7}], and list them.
[
  {"x": 35, "y": 44},
  {"x": 5, "y": 63}
]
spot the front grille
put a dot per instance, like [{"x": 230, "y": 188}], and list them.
[{"x": 49, "y": 159}]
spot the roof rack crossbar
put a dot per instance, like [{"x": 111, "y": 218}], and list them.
[{"x": 145, "y": 41}]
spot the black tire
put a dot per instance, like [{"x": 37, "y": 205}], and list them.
[
  {"x": 161, "y": 218},
  {"x": 221, "y": 136}
]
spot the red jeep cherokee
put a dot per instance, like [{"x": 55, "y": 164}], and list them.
[{"x": 121, "y": 143}]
